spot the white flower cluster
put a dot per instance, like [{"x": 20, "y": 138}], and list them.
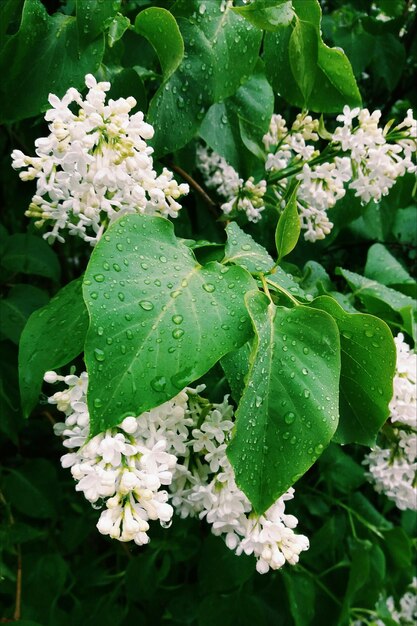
[
  {"x": 180, "y": 445},
  {"x": 240, "y": 195},
  {"x": 377, "y": 160},
  {"x": 94, "y": 165},
  {"x": 405, "y": 614},
  {"x": 365, "y": 158},
  {"x": 393, "y": 468}
]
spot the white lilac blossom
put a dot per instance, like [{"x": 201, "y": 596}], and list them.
[
  {"x": 206, "y": 487},
  {"x": 95, "y": 165},
  {"x": 379, "y": 155},
  {"x": 175, "y": 452},
  {"x": 364, "y": 157},
  {"x": 241, "y": 196},
  {"x": 393, "y": 463},
  {"x": 404, "y": 614}
]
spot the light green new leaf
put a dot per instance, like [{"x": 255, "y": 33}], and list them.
[
  {"x": 368, "y": 366},
  {"x": 383, "y": 267},
  {"x": 52, "y": 337},
  {"x": 242, "y": 250},
  {"x": 221, "y": 50},
  {"x": 288, "y": 412},
  {"x": 159, "y": 320},
  {"x": 389, "y": 304},
  {"x": 49, "y": 53},
  {"x": 267, "y": 14},
  {"x": 288, "y": 227},
  {"x": 161, "y": 29}
]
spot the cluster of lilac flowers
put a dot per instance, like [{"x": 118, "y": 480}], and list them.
[
  {"x": 170, "y": 459},
  {"x": 94, "y": 166},
  {"x": 360, "y": 155}
]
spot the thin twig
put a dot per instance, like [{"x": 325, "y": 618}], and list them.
[
  {"x": 212, "y": 205},
  {"x": 17, "y": 610},
  {"x": 18, "y": 601}
]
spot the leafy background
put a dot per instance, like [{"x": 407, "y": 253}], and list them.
[{"x": 224, "y": 92}]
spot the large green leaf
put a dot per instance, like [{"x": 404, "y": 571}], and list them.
[
  {"x": 159, "y": 320},
  {"x": 221, "y": 50},
  {"x": 160, "y": 28},
  {"x": 242, "y": 250},
  {"x": 334, "y": 84},
  {"x": 383, "y": 301},
  {"x": 52, "y": 337},
  {"x": 49, "y": 53},
  {"x": 288, "y": 412},
  {"x": 368, "y": 366},
  {"x": 303, "y": 48},
  {"x": 238, "y": 123},
  {"x": 236, "y": 366}
]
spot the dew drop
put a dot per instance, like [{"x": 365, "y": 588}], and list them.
[
  {"x": 177, "y": 319},
  {"x": 121, "y": 296},
  {"x": 289, "y": 417},
  {"x": 117, "y": 267},
  {"x": 99, "y": 354},
  {"x": 209, "y": 287},
  {"x": 158, "y": 383},
  {"x": 99, "y": 278},
  {"x": 119, "y": 246},
  {"x": 146, "y": 305},
  {"x": 177, "y": 333}
]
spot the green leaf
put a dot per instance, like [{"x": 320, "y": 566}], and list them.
[
  {"x": 301, "y": 592},
  {"x": 32, "y": 489},
  {"x": 219, "y": 570},
  {"x": 334, "y": 84},
  {"x": 289, "y": 410},
  {"x": 288, "y": 227},
  {"x": 267, "y": 14},
  {"x": 239, "y": 123},
  {"x": 383, "y": 267},
  {"x": 20, "y": 303},
  {"x": 117, "y": 28},
  {"x": 57, "y": 52},
  {"x": 382, "y": 301},
  {"x": 340, "y": 470},
  {"x": 388, "y": 60},
  {"x": 127, "y": 82},
  {"x": 159, "y": 320},
  {"x": 368, "y": 359},
  {"x": 236, "y": 366},
  {"x": 303, "y": 55},
  {"x": 221, "y": 50},
  {"x": 30, "y": 255},
  {"x": 52, "y": 337},
  {"x": 161, "y": 30},
  {"x": 242, "y": 250},
  {"x": 92, "y": 17}
]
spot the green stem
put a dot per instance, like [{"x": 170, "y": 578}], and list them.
[
  {"x": 282, "y": 290},
  {"x": 320, "y": 584}
]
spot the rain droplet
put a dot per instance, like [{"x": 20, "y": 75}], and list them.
[
  {"x": 158, "y": 383},
  {"x": 209, "y": 287},
  {"x": 289, "y": 417},
  {"x": 177, "y": 333},
  {"x": 146, "y": 305},
  {"x": 99, "y": 278},
  {"x": 99, "y": 354},
  {"x": 119, "y": 246},
  {"x": 117, "y": 267},
  {"x": 121, "y": 296},
  {"x": 177, "y": 319}
]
